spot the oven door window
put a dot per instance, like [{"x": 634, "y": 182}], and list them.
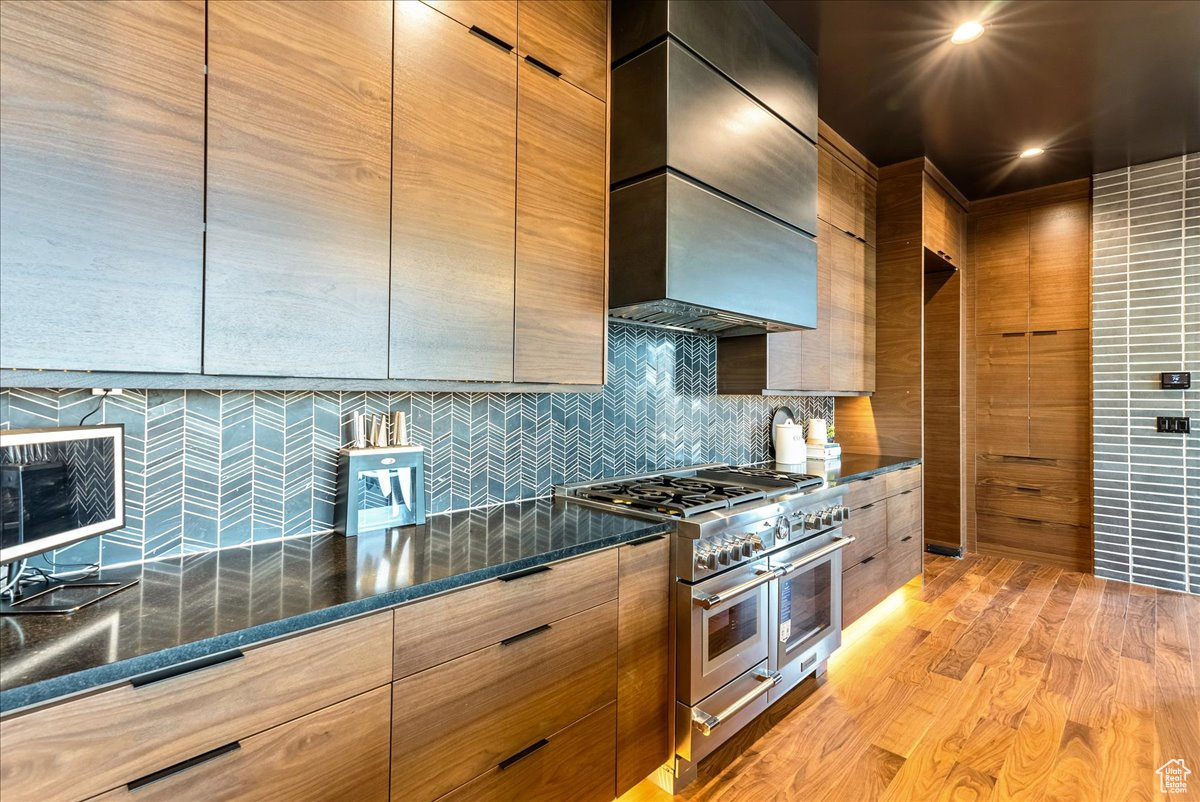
[
  {"x": 732, "y": 628},
  {"x": 805, "y": 606}
]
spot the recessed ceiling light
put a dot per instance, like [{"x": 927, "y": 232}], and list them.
[
  {"x": 967, "y": 32},
  {"x": 1029, "y": 153}
]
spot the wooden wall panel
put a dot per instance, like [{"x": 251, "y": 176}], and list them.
[
  {"x": 1060, "y": 237},
  {"x": 1000, "y": 251},
  {"x": 454, "y": 175},
  {"x": 1002, "y": 407},
  {"x": 889, "y": 422},
  {"x": 101, "y": 185},
  {"x": 943, "y": 409},
  {"x": 299, "y": 188},
  {"x": 1060, "y": 383}
]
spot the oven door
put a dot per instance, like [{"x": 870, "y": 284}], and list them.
[
  {"x": 806, "y": 606},
  {"x": 726, "y": 631}
]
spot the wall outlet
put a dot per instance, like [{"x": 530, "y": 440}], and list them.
[{"x": 1174, "y": 425}]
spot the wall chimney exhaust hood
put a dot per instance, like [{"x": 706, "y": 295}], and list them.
[{"x": 714, "y": 168}]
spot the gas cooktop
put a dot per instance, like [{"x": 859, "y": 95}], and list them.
[{"x": 692, "y": 491}]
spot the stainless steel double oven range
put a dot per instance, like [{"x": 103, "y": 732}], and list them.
[{"x": 757, "y": 594}]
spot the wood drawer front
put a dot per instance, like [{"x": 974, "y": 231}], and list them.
[
  {"x": 434, "y": 631},
  {"x": 903, "y": 479},
  {"x": 575, "y": 764},
  {"x": 869, "y": 526},
  {"x": 904, "y": 516},
  {"x": 1039, "y": 541},
  {"x": 82, "y": 747},
  {"x": 906, "y": 559},
  {"x": 340, "y": 752},
  {"x": 456, "y": 721},
  {"x": 861, "y": 492},
  {"x": 1033, "y": 502},
  {"x": 863, "y": 586}
]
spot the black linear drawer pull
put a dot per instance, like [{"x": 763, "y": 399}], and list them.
[
  {"x": 865, "y": 479},
  {"x": 162, "y": 774},
  {"x": 1030, "y": 521},
  {"x": 905, "y": 492},
  {"x": 868, "y": 506},
  {"x": 850, "y": 233},
  {"x": 524, "y": 753},
  {"x": 186, "y": 668},
  {"x": 537, "y": 569},
  {"x": 906, "y": 539},
  {"x": 1013, "y": 334},
  {"x": 1029, "y": 489},
  {"x": 864, "y": 562},
  {"x": 948, "y": 257},
  {"x": 1044, "y": 333},
  {"x": 526, "y": 634},
  {"x": 496, "y": 40},
  {"x": 641, "y": 541},
  {"x": 541, "y": 65}
]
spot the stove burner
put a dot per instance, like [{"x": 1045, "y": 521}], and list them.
[
  {"x": 673, "y": 495},
  {"x": 799, "y": 479}
]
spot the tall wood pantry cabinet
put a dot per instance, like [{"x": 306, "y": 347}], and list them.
[{"x": 1033, "y": 483}]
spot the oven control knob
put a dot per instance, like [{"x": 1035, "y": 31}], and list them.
[
  {"x": 812, "y": 521},
  {"x": 710, "y": 560},
  {"x": 827, "y": 516},
  {"x": 756, "y": 543},
  {"x": 723, "y": 555},
  {"x": 747, "y": 548},
  {"x": 845, "y": 513}
]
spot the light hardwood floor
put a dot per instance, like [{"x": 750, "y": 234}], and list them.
[{"x": 997, "y": 680}]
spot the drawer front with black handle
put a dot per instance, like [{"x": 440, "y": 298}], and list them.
[
  {"x": 164, "y": 719},
  {"x": 489, "y": 613},
  {"x": 575, "y": 763},
  {"x": 489, "y": 708},
  {"x": 340, "y": 750}
]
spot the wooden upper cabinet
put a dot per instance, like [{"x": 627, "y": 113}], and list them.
[
  {"x": 814, "y": 354},
  {"x": 453, "y": 200},
  {"x": 1060, "y": 266},
  {"x": 1060, "y": 400},
  {"x": 943, "y": 223},
  {"x": 1002, "y": 395},
  {"x": 561, "y": 304},
  {"x": 497, "y": 18},
  {"x": 845, "y": 195},
  {"x": 299, "y": 186},
  {"x": 852, "y": 315},
  {"x": 101, "y": 185},
  {"x": 569, "y": 37},
  {"x": 1001, "y": 261}
]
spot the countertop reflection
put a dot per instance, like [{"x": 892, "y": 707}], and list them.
[{"x": 201, "y": 604}]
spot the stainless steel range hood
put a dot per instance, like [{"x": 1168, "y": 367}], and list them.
[{"x": 714, "y": 169}]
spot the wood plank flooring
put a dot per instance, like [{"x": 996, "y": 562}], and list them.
[{"x": 997, "y": 680}]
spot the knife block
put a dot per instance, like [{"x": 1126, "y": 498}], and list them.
[{"x": 379, "y": 488}]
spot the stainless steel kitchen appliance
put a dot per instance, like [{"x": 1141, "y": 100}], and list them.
[
  {"x": 379, "y": 488},
  {"x": 757, "y": 601}
]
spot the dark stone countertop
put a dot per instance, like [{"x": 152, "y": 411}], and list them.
[
  {"x": 201, "y": 604},
  {"x": 856, "y": 466}
]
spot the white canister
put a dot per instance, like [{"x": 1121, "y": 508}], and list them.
[
  {"x": 789, "y": 442},
  {"x": 818, "y": 432}
]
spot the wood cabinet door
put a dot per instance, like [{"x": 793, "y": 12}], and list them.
[
  {"x": 815, "y": 344},
  {"x": 497, "y": 18},
  {"x": 1060, "y": 266},
  {"x": 1002, "y": 395},
  {"x": 454, "y": 124},
  {"x": 839, "y": 194},
  {"x": 299, "y": 188},
  {"x": 570, "y": 37},
  {"x": 560, "y": 290},
  {"x": 848, "y": 333},
  {"x": 101, "y": 185},
  {"x": 1001, "y": 251},
  {"x": 942, "y": 223},
  {"x": 644, "y": 687},
  {"x": 1060, "y": 374}
]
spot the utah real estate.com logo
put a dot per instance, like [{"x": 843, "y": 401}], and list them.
[{"x": 1172, "y": 777}]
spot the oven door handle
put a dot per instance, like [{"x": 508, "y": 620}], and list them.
[
  {"x": 711, "y": 600},
  {"x": 706, "y": 723},
  {"x": 838, "y": 544}
]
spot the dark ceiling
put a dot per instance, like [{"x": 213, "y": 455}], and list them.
[{"x": 1099, "y": 85}]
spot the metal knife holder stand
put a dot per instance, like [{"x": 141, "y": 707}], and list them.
[{"x": 379, "y": 488}]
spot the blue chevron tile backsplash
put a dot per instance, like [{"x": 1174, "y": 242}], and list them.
[{"x": 208, "y": 469}]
